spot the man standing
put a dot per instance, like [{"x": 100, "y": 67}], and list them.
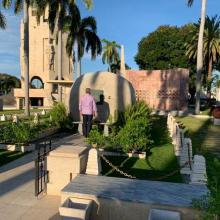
[{"x": 87, "y": 108}]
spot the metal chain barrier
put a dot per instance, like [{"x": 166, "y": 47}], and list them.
[
  {"x": 116, "y": 168},
  {"x": 133, "y": 177}
]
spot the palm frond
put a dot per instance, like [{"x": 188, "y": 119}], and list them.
[
  {"x": 6, "y": 3},
  {"x": 2, "y": 21},
  {"x": 190, "y": 2},
  {"x": 89, "y": 22},
  {"x": 18, "y": 6}
]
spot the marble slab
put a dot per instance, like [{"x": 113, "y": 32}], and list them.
[{"x": 149, "y": 192}]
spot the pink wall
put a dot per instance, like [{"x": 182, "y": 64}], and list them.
[{"x": 161, "y": 89}]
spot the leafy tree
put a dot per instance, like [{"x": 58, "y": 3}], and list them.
[
  {"x": 82, "y": 33},
  {"x": 8, "y": 82},
  {"x": 165, "y": 48},
  {"x": 211, "y": 46},
  {"x": 136, "y": 135},
  {"x": 110, "y": 52}
]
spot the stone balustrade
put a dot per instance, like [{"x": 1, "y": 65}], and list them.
[{"x": 192, "y": 166}]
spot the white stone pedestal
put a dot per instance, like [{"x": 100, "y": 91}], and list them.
[
  {"x": 63, "y": 164},
  {"x": 2, "y": 118},
  {"x": 93, "y": 164}
]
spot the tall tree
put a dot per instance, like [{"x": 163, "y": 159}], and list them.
[
  {"x": 164, "y": 48},
  {"x": 82, "y": 33},
  {"x": 110, "y": 52},
  {"x": 211, "y": 46},
  {"x": 199, "y": 65},
  {"x": 18, "y": 6}
]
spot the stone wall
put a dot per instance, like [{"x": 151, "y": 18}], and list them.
[
  {"x": 161, "y": 89},
  {"x": 192, "y": 167}
]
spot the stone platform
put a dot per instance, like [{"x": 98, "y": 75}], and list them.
[{"x": 119, "y": 198}]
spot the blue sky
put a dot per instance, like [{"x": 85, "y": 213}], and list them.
[{"x": 125, "y": 21}]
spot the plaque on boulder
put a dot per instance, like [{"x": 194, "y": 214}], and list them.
[{"x": 118, "y": 94}]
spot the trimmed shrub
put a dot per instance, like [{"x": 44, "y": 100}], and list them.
[
  {"x": 136, "y": 111},
  {"x": 59, "y": 115},
  {"x": 135, "y": 136},
  {"x": 132, "y": 112},
  {"x": 20, "y": 133}
]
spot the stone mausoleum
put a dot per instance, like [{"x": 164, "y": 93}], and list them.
[
  {"x": 118, "y": 93},
  {"x": 49, "y": 64}
]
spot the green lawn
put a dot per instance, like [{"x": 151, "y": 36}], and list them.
[
  {"x": 15, "y": 111},
  {"x": 160, "y": 162},
  {"x": 8, "y": 156},
  {"x": 204, "y": 134}
]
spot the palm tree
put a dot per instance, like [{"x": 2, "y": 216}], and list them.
[
  {"x": 18, "y": 6},
  {"x": 57, "y": 11},
  {"x": 82, "y": 33},
  {"x": 211, "y": 46},
  {"x": 116, "y": 67},
  {"x": 110, "y": 54},
  {"x": 199, "y": 65}
]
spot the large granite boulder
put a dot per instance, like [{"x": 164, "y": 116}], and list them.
[{"x": 118, "y": 93}]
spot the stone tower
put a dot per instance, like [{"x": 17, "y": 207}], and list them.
[{"x": 44, "y": 62}]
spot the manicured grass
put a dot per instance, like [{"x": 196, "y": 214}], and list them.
[
  {"x": 160, "y": 162},
  {"x": 204, "y": 134},
  {"x": 8, "y": 156},
  {"x": 15, "y": 111}
]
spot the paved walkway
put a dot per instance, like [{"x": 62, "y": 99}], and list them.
[{"x": 17, "y": 200}]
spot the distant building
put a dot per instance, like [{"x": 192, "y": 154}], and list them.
[{"x": 44, "y": 64}]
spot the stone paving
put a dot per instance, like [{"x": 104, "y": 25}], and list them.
[{"x": 17, "y": 199}]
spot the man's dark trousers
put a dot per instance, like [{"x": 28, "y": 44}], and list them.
[{"x": 87, "y": 124}]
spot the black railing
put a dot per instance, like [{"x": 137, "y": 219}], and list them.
[{"x": 41, "y": 172}]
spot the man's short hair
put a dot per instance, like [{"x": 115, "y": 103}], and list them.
[{"x": 88, "y": 90}]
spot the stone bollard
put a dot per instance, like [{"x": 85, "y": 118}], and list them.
[
  {"x": 93, "y": 164},
  {"x": 3, "y": 118},
  {"x": 36, "y": 118},
  {"x": 43, "y": 112},
  {"x": 186, "y": 156},
  {"x": 179, "y": 141},
  {"x": 15, "y": 119},
  {"x": 198, "y": 175}
]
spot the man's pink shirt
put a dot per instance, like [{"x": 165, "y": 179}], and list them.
[{"x": 87, "y": 105}]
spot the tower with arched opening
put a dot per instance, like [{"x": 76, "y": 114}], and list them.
[{"x": 49, "y": 65}]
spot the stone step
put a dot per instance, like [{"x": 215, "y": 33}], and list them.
[{"x": 75, "y": 208}]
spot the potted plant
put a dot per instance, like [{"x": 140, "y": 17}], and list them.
[{"x": 95, "y": 138}]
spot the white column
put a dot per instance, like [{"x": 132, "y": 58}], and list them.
[
  {"x": 122, "y": 68},
  {"x": 59, "y": 65}
]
